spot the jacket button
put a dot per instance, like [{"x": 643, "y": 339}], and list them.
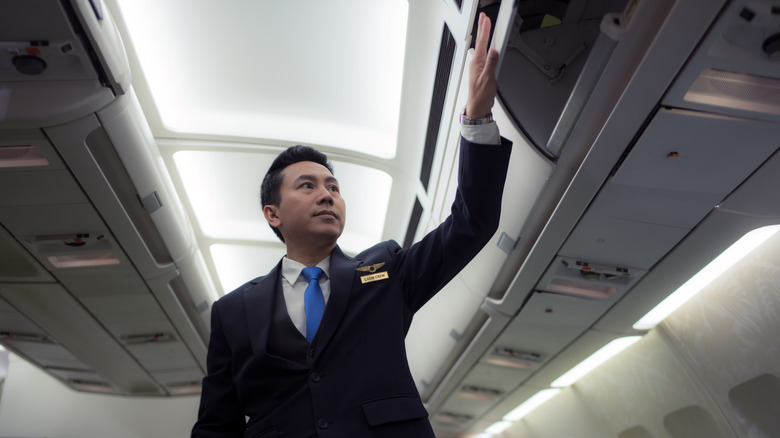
[
  {"x": 315, "y": 377},
  {"x": 311, "y": 352},
  {"x": 322, "y": 424}
]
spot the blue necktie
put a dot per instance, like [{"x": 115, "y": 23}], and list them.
[{"x": 313, "y": 301}]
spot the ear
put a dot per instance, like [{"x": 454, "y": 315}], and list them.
[{"x": 271, "y": 213}]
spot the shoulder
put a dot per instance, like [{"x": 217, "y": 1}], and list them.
[
  {"x": 382, "y": 249},
  {"x": 256, "y": 285}
]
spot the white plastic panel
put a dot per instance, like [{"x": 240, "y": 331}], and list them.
[
  {"x": 621, "y": 243},
  {"x": 163, "y": 356},
  {"x": 39, "y": 187},
  {"x": 57, "y": 312},
  {"x": 430, "y": 337},
  {"x": 36, "y": 220},
  {"x": 497, "y": 377},
  {"x": 698, "y": 152},
  {"x": 734, "y": 44},
  {"x": 673, "y": 208},
  {"x": 127, "y": 315},
  {"x": 107, "y": 281},
  {"x": 17, "y": 263},
  {"x": 548, "y": 323}
]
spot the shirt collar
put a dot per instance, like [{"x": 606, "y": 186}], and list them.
[{"x": 291, "y": 270}]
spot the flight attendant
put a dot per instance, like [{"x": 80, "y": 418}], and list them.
[{"x": 315, "y": 348}]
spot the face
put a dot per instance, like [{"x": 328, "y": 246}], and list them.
[{"x": 311, "y": 206}]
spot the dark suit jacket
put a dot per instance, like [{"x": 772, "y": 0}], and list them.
[{"x": 355, "y": 381}]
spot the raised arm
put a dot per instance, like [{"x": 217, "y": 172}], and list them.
[{"x": 482, "y": 73}]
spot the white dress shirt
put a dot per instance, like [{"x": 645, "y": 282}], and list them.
[{"x": 294, "y": 283}]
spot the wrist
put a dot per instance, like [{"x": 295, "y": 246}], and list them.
[{"x": 466, "y": 119}]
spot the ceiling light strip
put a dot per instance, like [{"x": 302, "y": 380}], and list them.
[
  {"x": 703, "y": 278},
  {"x": 498, "y": 427},
  {"x": 594, "y": 360},
  {"x": 532, "y": 403}
]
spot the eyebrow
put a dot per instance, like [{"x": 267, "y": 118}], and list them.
[{"x": 329, "y": 179}]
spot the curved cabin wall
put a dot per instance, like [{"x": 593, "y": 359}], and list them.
[{"x": 709, "y": 370}]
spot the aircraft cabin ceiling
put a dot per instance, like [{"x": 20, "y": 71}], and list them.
[{"x": 134, "y": 135}]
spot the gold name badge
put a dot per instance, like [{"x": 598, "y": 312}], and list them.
[{"x": 374, "y": 277}]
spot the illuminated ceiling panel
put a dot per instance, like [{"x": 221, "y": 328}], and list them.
[
  {"x": 223, "y": 189},
  {"x": 244, "y": 70}
]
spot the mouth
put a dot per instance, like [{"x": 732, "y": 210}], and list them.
[{"x": 326, "y": 213}]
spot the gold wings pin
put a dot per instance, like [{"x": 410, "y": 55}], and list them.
[{"x": 371, "y": 268}]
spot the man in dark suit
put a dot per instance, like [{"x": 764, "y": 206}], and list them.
[{"x": 274, "y": 369}]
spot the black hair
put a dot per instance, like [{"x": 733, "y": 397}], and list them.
[{"x": 270, "y": 189}]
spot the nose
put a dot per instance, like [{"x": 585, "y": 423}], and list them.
[{"x": 325, "y": 196}]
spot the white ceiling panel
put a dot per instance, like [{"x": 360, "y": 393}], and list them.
[
  {"x": 106, "y": 280},
  {"x": 618, "y": 242},
  {"x": 224, "y": 190},
  {"x": 674, "y": 208},
  {"x": 35, "y": 220},
  {"x": 39, "y": 187},
  {"x": 126, "y": 315},
  {"x": 698, "y": 152},
  {"x": 163, "y": 356},
  {"x": 336, "y": 81},
  {"x": 237, "y": 264}
]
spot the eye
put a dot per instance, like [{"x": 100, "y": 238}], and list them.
[
  {"x": 334, "y": 188},
  {"x": 307, "y": 185}
]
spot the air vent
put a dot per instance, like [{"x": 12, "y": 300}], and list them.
[
  {"x": 443, "y": 70},
  {"x": 149, "y": 338},
  {"x": 185, "y": 388},
  {"x": 452, "y": 419},
  {"x": 477, "y": 393},
  {"x": 25, "y": 337},
  {"x": 511, "y": 358},
  {"x": 91, "y": 386}
]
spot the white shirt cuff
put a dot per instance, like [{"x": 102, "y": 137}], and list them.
[{"x": 481, "y": 134}]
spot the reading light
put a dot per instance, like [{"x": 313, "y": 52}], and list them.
[
  {"x": 707, "y": 275},
  {"x": 498, "y": 427},
  {"x": 532, "y": 403},
  {"x": 594, "y": 360},
  {"x": 83, "y": 260},
  {"x": 22, "y": 156}
]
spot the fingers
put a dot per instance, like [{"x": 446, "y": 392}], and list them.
[
  {"x": 482, "y": 73},
  {"x": 491, "y": 63},
  {"x": 483, "y": 35}
]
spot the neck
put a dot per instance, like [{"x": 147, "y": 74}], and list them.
[{"x": 309, "y": 255}]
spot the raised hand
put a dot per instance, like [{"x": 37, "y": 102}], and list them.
[{"x": 482, "y": 73}]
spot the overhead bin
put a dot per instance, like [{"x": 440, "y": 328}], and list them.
[
  {"x": 111, "y": 293},
  {"x": 553, "y": 56},
  {"x": 630, "y": 215}
]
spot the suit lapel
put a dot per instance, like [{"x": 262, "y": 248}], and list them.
[
  {"x": 258, "y": 310},
  {"x": 342, "y": 276}
]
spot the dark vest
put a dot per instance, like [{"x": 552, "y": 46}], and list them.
[{"x": 285, "y": 340}]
